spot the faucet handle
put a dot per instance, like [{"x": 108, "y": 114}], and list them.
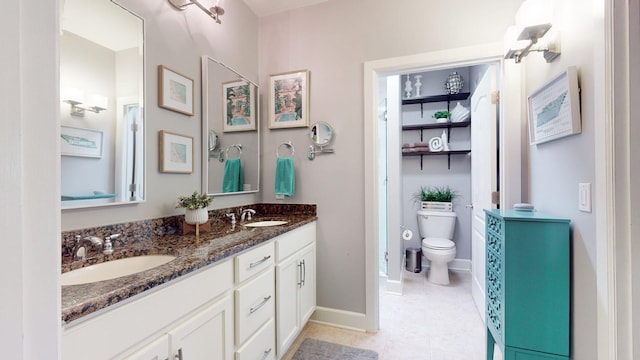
[
  {"x": 107, "y": 247},
  {"x": 233, "y": 217}
]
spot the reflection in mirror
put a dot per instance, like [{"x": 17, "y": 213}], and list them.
[
  {"x": 231, "y": 157},
  {"x": 321, "y": 133},
  {"x": 101, "y": 110}
]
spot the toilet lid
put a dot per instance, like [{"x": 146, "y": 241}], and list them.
[{"x": 438, "y": 243}]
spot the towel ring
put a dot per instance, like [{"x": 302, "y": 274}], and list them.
[
  {"x": 238, "y": 147},
  {"x": 288, "y": 145}
]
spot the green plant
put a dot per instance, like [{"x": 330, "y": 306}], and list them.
[
  {"x": 194, "y": 201},
  {"x": 437, "y": 193},
  {"x": 441, "y": 114}
]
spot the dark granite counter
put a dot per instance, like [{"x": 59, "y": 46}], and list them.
[{"x": 223, "y": 241}]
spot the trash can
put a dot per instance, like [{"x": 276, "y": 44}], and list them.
[{"x": 414, "y": 260}]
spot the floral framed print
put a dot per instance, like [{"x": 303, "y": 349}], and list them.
[
  {"x": 176, "y": 153},
  {"x": 80, "y": 142},
  {"x": 554, "y": 109},
  {"x": 289, "y": 100},
  {"x": 175, "y": 91},
  {"x": 239, "y": 106}
]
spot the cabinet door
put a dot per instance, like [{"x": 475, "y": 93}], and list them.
[
  {"x": 155, "y": 350},
  {"x": 307, "y": 259},
  {"x": 206, "y": 335},
  {"x": 287, "y": 284}
]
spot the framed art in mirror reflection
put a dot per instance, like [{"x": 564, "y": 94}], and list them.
[
  {"x": 80, "y": 142},
  {"x": 239, "y": 106}
]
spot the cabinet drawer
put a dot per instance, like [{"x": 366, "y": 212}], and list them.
[
  {"x": 261, "y": 346},
  {"x": 289, "y": 243},
  {"x": 255, "y": 305},
  {"x": 254, "y": 261}
]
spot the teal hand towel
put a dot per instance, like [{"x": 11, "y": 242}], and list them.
[
  {"x": 285, "y": 183},
  {"x": 233, "y": 178}
]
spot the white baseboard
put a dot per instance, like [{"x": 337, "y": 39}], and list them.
[
  {"x": 394, "y": 287},
  {"x": 456, "y": 264},
  {"x": 339, "y": 318}
]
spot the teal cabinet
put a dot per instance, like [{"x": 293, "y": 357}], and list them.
[{"x": 527, "y": 285}]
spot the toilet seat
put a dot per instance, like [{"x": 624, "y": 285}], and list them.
[{"x": 438, "y": 243}]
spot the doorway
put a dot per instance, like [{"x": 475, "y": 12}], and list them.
[{"x": 424, "y": 62}]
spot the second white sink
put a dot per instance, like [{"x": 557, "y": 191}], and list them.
[
  {"x": 114, "y": 269},
  {"x": 266, "y": 223}
]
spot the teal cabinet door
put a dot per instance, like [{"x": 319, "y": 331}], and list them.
[{"x": 527, "y": 284}]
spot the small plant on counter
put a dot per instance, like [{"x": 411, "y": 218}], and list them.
[{"x": 194, "y": 202}]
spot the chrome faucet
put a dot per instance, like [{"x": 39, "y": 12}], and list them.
[
  {"x": 80, "y": 250},
  {"x": 233, "y": 218},
  {"x": 246, "y": 214}
]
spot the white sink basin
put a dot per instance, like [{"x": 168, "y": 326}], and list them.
[
  {"x": 114, "y": 269},
  {"x": 266, "y": 223}
]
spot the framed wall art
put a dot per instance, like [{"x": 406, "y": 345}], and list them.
[
  {"x": 239, "y": 106},
  {"x": 80, "y": 142},
  {"x": 554, "y": 109},
  {"x": 175, "y": 91},
  {"x": 176, "y": 153},
  {"x": 289, "y": 100}
]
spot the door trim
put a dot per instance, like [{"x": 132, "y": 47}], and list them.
[{"x": 511, "y": 183}]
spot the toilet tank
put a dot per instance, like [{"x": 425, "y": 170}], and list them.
[{"x": 436, "y": 224}]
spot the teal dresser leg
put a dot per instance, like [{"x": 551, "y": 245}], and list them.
[{"x": 490, "y": 344}]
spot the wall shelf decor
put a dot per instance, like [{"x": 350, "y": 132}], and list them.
[{"x": 436, "y": 98}]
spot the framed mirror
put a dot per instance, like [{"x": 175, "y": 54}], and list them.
[
  {"x": 230, "y": 131},
  {"x": 101, "y": 109}
]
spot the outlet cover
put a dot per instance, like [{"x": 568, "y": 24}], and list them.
[
  {"x": 584, "y": 197},
  {"x": 279, "y": 197}
]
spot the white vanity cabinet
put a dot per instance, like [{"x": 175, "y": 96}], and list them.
[
  {"x": 133, "y": 330},
  {"x": 205, "y": 335},
  {"x": 295, "y": 284}
]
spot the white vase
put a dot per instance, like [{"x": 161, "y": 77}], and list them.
[{"x": 198, "y": 216}]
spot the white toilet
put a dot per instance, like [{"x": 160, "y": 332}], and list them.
[{"x": 436, "y": 231}]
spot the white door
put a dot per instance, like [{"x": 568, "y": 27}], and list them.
[{"x": 483, "y": 176}]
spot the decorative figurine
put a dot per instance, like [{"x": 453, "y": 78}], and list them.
[
  {"x": 418, "y": 84},
  {"x": 407, "y": 87},
  {"x": 454, "y": 83}
]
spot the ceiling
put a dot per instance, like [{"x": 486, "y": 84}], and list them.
[{"x": 269, "y": 7}]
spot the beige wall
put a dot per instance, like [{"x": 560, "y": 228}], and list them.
[
  {"x": 556, "y": 168},
  {"x": 333, "y": 40},
  {"x": 177, "y": 39}
]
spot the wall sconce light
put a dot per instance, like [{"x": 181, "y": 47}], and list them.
[
  {"x": 95, "y": 103},
  {"x": 214, "y": 12},
  {"x": 533, "y": 22}
]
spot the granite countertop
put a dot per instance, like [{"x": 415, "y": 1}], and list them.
[{"x": 223, "y": 241}]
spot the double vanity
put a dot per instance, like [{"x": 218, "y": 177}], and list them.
[{"x": 238, "y": 291}]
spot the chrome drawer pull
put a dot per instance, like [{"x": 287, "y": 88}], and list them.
[
  {"x": 266, "y": 353},
  {"x": 179, "y": 354},
  {"x": 252, "y": 265},
  {"x": 264, "y": 301}
]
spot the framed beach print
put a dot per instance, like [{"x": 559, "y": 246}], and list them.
[
  {"x": 239, "y": 106},
  {"x": 554, "y": 109},
  {"x": 176, "y": 153},
  {"x": 289, "y": 100},
  {"x": 175, "y": 91},
  {"x": 80, "y": 142}
]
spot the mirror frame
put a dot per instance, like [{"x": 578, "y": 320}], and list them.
[
  {"x": 205, "y": 127},
  {"x": 317, "y": 143},
  {"x": 143, "y": 103}
]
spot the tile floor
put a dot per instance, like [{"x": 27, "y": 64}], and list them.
[{"x": 428, "y": 322}]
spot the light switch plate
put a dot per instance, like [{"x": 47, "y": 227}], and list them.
[{"x": 584, "y": 197}]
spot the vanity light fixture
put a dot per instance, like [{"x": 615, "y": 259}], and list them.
[
  {"x": 214, "y": 12},
  {"x": 533, "y": 22},
  {"x": 75, "y": 97}
]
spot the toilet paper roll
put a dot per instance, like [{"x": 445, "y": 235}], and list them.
[{"x": 407, "y": 235}]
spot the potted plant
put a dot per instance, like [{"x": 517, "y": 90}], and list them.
[
  {"x": 442, "y": 116},
  {"x": 435, "y": 198},
  {"x": 195, "y": 207}
]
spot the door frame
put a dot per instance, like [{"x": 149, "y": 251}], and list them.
[{"x": 511, "y": 136}]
